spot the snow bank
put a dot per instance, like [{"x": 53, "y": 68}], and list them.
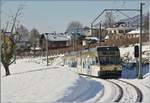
[
  {"x": 34, "y": 82},
  {"x": 36, "y": 86},
  {"x": 146, "y": 80},
  {"x": 58, "y": 61},
  {"x": 81, "y": 91},
  {"x": 128, "y": 52}
]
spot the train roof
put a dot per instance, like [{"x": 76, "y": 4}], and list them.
[
  {"x": 85, "y": 50},
  {"x": 99, "y": 48},
  {"x": 107, "y": 48}
]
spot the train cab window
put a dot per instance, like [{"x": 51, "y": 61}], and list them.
[
  {"x": 104, "y": 53},
  {"x": 102, "y": 60}
]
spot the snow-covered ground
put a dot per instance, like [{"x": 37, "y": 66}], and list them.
[
  {"x": 129, "y": 94},
  {"x": 143, "y": 85},
  {"x": 31, "y": 81},
  {"x": 128, "y": 52},
  {"x": 130, "y": 74}
]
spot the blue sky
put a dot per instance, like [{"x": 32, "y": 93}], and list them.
[{"x": 49, "y": 16}]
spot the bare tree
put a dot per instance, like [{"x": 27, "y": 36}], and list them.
[
  {"x": 6, "y": 26},
  {"x": 34, "y": 36},
  {"x": 8, "y": 45},
  {"x": 109, "y": 19},
  {"x": 21, "y": 33},
  {"x": 18, "y": 13},
  {"x": 74, "y": 26},
  {"x": 73, "y": 29}
]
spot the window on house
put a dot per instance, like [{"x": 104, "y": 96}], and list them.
[{"x": 121, "y": 31}]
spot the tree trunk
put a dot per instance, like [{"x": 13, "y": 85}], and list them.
[{"x": 7, "y": 69}]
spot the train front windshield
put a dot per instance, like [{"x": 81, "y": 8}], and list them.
[
  {"x": 108, "y": 55},
  {"x": 109, "y": 60}
]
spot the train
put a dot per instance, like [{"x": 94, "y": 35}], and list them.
[{"x": 102, "y": 62}]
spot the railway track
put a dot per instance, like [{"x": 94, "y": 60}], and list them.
[
  {"x": 139, "y": 97},
  {"x": 120, "y": 92},
  {"x": 120, "y": 95},
  {"x": 138, "y": 91}
]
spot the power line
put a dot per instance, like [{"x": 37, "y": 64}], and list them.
[{"x": 124, "y": 14}]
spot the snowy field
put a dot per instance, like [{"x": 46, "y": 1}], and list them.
[{"x": 32, "y": 81}]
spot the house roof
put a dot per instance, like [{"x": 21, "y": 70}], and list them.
[
  {"x": 92, "y": 38},
  {"x": 8, "y": 33},
  {"x": 119, "y": 28},
  {"x": 136, "y": 31},
  {"x": 106, "y": 37},
  {"x": 56, "y": 37}
]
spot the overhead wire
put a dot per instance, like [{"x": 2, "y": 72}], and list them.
[{"x": 124, "y": 14}]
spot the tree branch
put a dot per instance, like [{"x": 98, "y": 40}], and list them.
[
  {"x": 18, "y": 13},
  {"x": 6, "y": 26},
  {"x": 12, "y": 61}
]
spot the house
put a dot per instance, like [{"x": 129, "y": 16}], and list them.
[
  {"x": 119, "y": 28},
  {"x": 55, "y": 41},
  {"x": 95, "y": 31},
  {"x": 134, "y": 33},
  {"x": 87, "y": 31},
  {"x": 75, "y": 33}
]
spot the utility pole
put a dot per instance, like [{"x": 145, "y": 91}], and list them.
[
  {"x": 47, "y": 48},
  {"x": 91, "y": 29},
  {"x": 100, "y": 34},
  {"x": 73, "y": 41},
  {"x": 140, "y": 41},
  {"x": 0, "y": 13}
]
